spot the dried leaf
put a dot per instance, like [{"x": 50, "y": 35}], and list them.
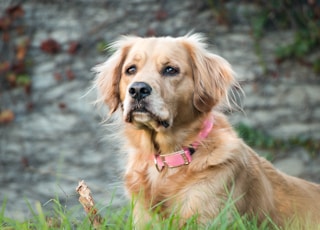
[
  {"x": 5, "y": 23},
  {"x": 57, "y": 76},
  {"x": 4, "y": 66},
  {"x": 20, "y": 29},
  {"x": 27, "y": 88},
  {"x": 6, "y": 36},
  {"x": 70, "y": 74},
  {"x": 62, "y": 105},
  {"x": 22, "y": 50},
  {"x": 161, "y": 15},
  {"x": 24, "y": 161},
  {"x": 18, "y": 67},
  {"x": 12, "y": 79},
  {"x": 73, "y": 47},
  {"x": 151, "y": 32},
  {"x": 6, "y": 116},
  {"x": 29, "y": 106}
]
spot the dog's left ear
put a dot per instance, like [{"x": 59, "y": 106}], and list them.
[
  {"x": 213, "y": 75},
  {"x": 109, "y": 74}
]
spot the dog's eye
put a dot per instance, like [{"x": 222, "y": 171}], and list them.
[
  {"x": 131, "y": 70},
  {"x": 170, "y": 71}
]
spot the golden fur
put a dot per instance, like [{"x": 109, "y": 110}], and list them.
[{"x": 188, "y": 83}]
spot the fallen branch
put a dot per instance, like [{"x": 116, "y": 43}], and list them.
[{"x": 88, "y": 204}]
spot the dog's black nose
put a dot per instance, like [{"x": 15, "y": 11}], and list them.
[{"x": 139, "y": 90}]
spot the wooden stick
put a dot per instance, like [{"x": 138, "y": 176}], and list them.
[{"x": 87, "y": 202}]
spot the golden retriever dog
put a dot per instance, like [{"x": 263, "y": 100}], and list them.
[{"x": 182, "y": 154}]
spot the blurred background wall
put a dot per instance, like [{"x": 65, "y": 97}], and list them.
[{"x": 50, "y": 133}]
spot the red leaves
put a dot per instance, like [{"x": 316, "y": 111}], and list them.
[
  {"x": 70, "y": 74},
  {"x": 4, "y": 67},
  {"x": 15, "y": 11},
  {"x": 18, "y": 67},
  {"x": 62, "y": 105},
  {"x": 12, "y": 13},
  {"x": 13, "y": 65},
  {"x": 73, "y": 47},
  {"x": 57, "y": 76},
  {"x": 24, "y": 162},
  {"x": 161, "y": 15},
  {"x": 15, "y": 62},
  {"x": 5, "y": 23},
  {"x": 151, "y": 32},
  {"x": 14, "y": 68},
  {"x": 67, "y": 75},
  {"x": 50, "y": 46}
]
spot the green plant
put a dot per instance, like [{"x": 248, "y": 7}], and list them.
[
  {"x": 303, "y": 17},
  {"x": 316, "y": 65},
  {"x": 258, "y": 139},
  {"x": 101, "y": 46},
  {"x": 303, "y": 44},
  {"x": 23, "y": 80},
  {"x": 254, "y": 137}
]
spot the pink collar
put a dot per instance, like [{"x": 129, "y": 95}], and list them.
[{"x": 183, "y": 156}]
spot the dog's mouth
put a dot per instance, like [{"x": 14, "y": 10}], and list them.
[{"x": 140, "y": 114}]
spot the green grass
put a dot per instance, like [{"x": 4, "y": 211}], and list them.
[{"x": 121, "y": 218}]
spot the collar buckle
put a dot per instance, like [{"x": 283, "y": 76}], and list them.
[
  {"x": 159, "y": 168},
  {"x": 173, "y": 160}
]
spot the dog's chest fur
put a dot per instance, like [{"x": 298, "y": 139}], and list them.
[{"x": 155, "y": 188}]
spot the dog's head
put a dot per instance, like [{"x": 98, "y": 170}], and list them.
[{"x": 162, "y": 82}]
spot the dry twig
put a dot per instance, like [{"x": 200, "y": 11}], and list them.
[{"x": 88, "y": 204}]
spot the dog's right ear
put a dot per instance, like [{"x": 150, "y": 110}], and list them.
[
  {"x": 212, "y": 75},
  {"x": 109, "y": 74}
]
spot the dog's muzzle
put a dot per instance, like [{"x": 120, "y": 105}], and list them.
[{"x": 140, "y": 104}]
